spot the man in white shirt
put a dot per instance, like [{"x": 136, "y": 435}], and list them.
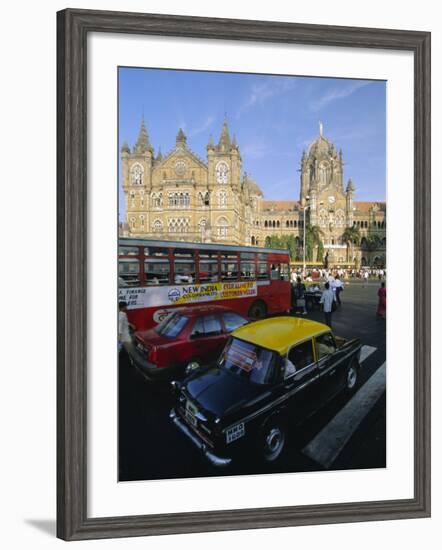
[
  {"x": 338, "y": 287},
  {"x": 124, "y": 337},
  {"x": 327, "y": 299}
]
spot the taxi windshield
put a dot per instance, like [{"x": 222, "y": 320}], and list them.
[{"x": 249, "y": 361}]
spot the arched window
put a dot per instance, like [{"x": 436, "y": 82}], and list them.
[
  {"x": 340, "y": 218},
  {"x": 295, "y": 223},
  {"x": 222, "y": 227},
  {"x": 265, "y": 223},
  {"x": 273, "y": 223},
  {"x": 132, "y": 223},
  {"x": 277, "y": 223},
  {"x": 157, "y": 226},
  {"x": 322, "y": 221},
  {"x": 287, "y": 223},
  {"x": 253, "y": 240},
  {"x": 137, "y": 174},
  {"x": 222, "y": 199},
  {"x": 142, "y": 221}
]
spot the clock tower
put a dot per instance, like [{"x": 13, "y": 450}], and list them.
[
  {"x": 224, "y": 161},
  {"x": 322, "y": 190}
]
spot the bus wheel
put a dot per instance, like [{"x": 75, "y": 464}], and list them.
[{"x": 257, "y": 310}]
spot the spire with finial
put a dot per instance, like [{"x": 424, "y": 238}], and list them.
[
  {"x": 321, "y": 129},
  {"x": 181, "y": 138},
  {"x": 234, "y": 144},
  {"x": 159, "y": 155},
  {"x": 350, "y": 186},
  {"x": 125, "y": 148},
  {"x": 142, "y": 145},
  {"x": 224, "y": 140}
]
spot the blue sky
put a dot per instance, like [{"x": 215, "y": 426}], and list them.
[{"x": 273, "y": 117}]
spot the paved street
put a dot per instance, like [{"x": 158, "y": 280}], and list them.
[{"x": 347, "y": 433}]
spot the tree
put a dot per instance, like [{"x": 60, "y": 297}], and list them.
[
  {"x": 320, "y": 253},
  {"x": 351, "y": 236},
  {"x": 373, "y": 242},
  {"x": 313, "y": 236}
]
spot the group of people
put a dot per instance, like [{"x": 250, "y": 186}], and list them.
[
  {"x": 323, "y": 273},
  {"x": 331, "y": 296}
]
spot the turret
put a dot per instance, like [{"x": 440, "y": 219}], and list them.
[
  {"x": 143, "y": 145},
  {"x": 224, "y": 143},
  {"x": 181, "y": 139},
  {"x": 349, "y": 201}
]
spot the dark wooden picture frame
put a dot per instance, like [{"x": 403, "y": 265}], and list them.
[{"x": 73, "y": 27}]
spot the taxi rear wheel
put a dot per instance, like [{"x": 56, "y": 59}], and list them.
[{"x": 273, "y": 440}]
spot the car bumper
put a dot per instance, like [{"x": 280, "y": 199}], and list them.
[
  {"x": 150, "y": 370},
  {"x": 220, "y": 462}
]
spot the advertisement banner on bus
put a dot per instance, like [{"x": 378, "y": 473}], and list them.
[{"x": 137, "y": 298}]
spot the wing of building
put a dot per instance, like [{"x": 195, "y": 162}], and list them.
[{"x": 180, "y": 196}]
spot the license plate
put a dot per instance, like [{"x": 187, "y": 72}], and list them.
[{"x": 190, "y": 417}]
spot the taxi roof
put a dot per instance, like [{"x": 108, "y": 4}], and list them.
[{"x": 280, "y": 333}]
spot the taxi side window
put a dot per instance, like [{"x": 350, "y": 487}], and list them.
[
  {"x": 299, "y": 356},
  {"x": 325, "y": 345}
]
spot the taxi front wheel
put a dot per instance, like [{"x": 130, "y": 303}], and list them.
[
  {"x": 273, "y": 440},
  {"x": 352, "y": 378}
]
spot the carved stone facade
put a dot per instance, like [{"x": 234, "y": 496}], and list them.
[{"x": 181, "y": 197}]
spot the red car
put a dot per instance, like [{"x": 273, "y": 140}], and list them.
[{"x": 189, "y": 338}]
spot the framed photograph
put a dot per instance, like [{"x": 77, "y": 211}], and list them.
[{"x": 235, "y": 201}]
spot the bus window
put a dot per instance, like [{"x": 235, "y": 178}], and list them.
[
  {"x": 154, "y": 251},
  {"x": 184, "y": 271},
  {"x": 128, "y": 251},
  {"x": 247, "y": 270},
  {"x": 229, "y": 271},
  {"x": 208, "y": 272},
  {"x": 209, "y": 254},
  {"x": 229, "y": 256},
  {"x": 262, "y": 257},
  {"x": 279, "y": 272},
  {"x": 247, "y": 256},
  {"x": 183, "y": 253},
  {"x": 285, "y": 272},
  {"x": 129, "y": 272},
  {"x": 156, "y": 272},
  {"x": 263, "y": 272}
]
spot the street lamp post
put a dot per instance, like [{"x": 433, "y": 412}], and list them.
[{"x": 303, "y": 240}]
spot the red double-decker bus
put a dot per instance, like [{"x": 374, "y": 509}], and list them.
[{"x": 156, "y": 277}]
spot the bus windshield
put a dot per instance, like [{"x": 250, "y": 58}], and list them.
[
  {"x": 172, "y": 326},
  {"x": 249, "y": 361}
]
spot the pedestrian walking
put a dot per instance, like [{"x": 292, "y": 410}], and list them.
[
  {"x": 299, "y": 296},
  {"x": 339, "y": 287},
  {"x": 366, "y": 275},
  {"x": 124, "y": 336},
  {"x": 327, "y": 299},
  {"x": 382, "y": 302}
]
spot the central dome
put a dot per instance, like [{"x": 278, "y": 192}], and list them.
[{"x": 254, "y": 188}]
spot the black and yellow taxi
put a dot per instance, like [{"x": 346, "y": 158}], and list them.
[{"x": 271, "y": 374}]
